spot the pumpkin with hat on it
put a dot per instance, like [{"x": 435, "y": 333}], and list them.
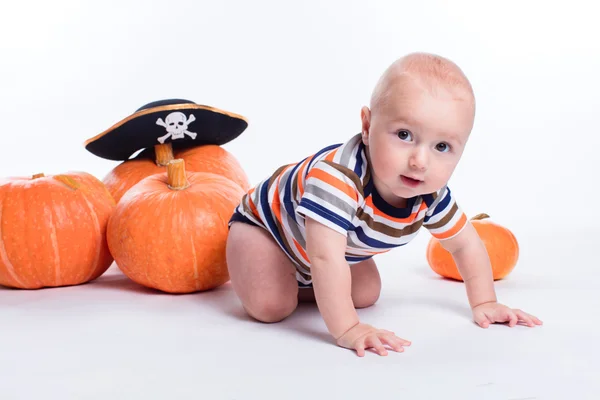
[{"x": 165, "y": 130}]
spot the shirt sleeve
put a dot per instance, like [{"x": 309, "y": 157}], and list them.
[
  {"x": 330, "y": 196},
  {"x": 444, "y": 218}
]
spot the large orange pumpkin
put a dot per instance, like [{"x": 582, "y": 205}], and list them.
[
  {"x": 501, "y": 245},
  {"x": 206, "y": 158},
  {"x": 53, "y": 230},
  {"x": 169, "y": 231}
]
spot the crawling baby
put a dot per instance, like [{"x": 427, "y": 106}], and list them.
[{"x": 310, "y": 231}]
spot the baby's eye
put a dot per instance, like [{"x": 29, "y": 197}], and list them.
[
  {"x": 404, "y": 134},
  {"x": 442, "y": 147}
]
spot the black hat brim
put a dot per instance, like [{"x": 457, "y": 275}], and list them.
[{"x": 140, "y": 130}]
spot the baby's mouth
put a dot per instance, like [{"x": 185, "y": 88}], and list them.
[{"x": 411, "y": 182}]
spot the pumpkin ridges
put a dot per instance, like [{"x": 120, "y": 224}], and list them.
[
  {"x": 49, "y": 212},
  {"x": 10, "y": 278},
  {"x": 185, "y": 256},
  {"x": 98, "y": 210},
  {"x": 96, "y": 262},
  {"x": 30, "y": 219},
  {"x": 65, "y": 202},
  {"x": 48, "y": 240},
  {"x": 217, "y": 160},
  {"x": 172, "y": 271}
]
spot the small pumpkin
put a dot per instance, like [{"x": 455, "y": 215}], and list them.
[
  {"x": 206, "y": 158},
  {"x": 53, "y": 230},
  {"x": 169, "y": 231},
  {"x": 501, "y": 245}
]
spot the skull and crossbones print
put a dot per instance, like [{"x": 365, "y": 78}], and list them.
[{"x": 177, "y": 125}]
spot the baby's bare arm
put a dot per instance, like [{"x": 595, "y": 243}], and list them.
[
  {"x": 332, "y": 283},
  {"x": 331, "y": 277},
  {"x": 473, "y": 263}
]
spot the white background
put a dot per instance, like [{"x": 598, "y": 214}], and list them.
[{"x": 300, "y": 72}]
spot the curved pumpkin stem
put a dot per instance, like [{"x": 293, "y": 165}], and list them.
[
  {"x": 40, "y": 175},
  {"x": 479, "y": 217},
  {"x": 176, "y": 178},
  {"x": 67, "y": 181},
  {"x": 164, "y": 154}
]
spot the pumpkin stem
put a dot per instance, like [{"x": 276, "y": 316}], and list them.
[
  {"x": 40, "y": 175},
  {"x": 164, "y": 154},
  {"x": 176, "y": 178},
  {"x": 68, "y": 181},
  {"x": 480, "y": 217}
]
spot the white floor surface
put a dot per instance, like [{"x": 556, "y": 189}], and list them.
[{"x": 112, "y": 339}]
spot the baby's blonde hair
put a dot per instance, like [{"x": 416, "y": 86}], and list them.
[{"x": 432, "y": 71}]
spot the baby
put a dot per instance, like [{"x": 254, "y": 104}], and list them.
[{"x": 311, "y": 229}]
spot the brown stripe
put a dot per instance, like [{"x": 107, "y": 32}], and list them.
[
  {"x": 386, "y": 229},
  {"x": 299, "y": 263},
  {"x": 287, "y": 246},
  {"x": 446, "y": 218},
  {"x": 295, "y": 185},
  {"x": 349, "y": 174},
  {"x": 366, "y": 178},
  {"x": 276, "y": 174},
  {"x": 277, "y": 203}
]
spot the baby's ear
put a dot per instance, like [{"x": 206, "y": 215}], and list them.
[{"x": 365, "y": 118}]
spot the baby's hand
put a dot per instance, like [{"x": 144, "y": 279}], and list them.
[
  {"x": 363, "y": 336},
  {"x": 489, "y": 313}
]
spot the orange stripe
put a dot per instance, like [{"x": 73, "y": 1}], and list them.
[
  {"x": 410, "y": 218},
  {"x": 335, "y": 182},
  {"x": 458, "y": 226},
  {"x": 276, "y": 206},
  {"x": 301, "y": 251},
  {"x": 252, "y": 205}
]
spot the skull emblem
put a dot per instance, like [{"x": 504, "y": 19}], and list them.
[{"x": 176, "y": 124}]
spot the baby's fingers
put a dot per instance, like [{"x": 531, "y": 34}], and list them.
[
  {"x": 512, "y": 318},
  {"x": 392, "y": 341},
  {"x": 403, "y": 342},
  {"x": 481, "y": 319},
  {"x": 373, "y": 341},
  {"x": 530, "y": 320}
]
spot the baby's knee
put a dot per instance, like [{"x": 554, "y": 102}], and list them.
[
  {"x": 270, "y": 308},
  {"x": 366, "y": 292},
  {"x": 367, "y": 297}
]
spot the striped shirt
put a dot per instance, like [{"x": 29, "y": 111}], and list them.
[{"x": 334, "y": 187}]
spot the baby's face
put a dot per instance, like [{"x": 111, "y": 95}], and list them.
[{"x": 416, "y": 139}]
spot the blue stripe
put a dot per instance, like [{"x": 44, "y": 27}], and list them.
[
  {"x": 359, "y": 160},
  {"x": 357, "y": 259},
  {"x": 326, "y": 149},
  {"x": 325, "y": 213},
  {"x": 372, "y": 242},
  {"x": 368, "y": 189},
  {"x": 441, "y": 205},
  {"x": 264, "y": 200},
  {"x": 428, "y": 199},
  {"x": 287, "y": 196}
]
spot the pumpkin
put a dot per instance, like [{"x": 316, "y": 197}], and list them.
[
  {"x": 501, "y": 245},
  {"x": 169, "y": 230},
  {"x": 206, "y": 158},
  {"x": 53, "y": 230}
]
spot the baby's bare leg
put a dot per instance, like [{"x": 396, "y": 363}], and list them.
[
  {"x": 366, "y": 285},
  {"x": 262, "y": 276}
]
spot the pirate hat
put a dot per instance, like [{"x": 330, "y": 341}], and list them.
[{"x": 180, "y": 122}]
